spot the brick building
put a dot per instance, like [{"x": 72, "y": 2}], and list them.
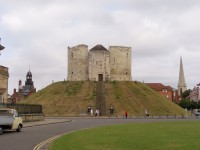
[{"x": 166, "y": 91}]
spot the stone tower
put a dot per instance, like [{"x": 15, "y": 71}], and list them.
[
  {"x": 182, "y": 87},
  {"x": 120, "y": 63},
  {"x": 78, "y": 63},
  {"x": 99, "y": 64}
]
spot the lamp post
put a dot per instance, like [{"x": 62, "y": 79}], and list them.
[{"x": 1, "y": 47}]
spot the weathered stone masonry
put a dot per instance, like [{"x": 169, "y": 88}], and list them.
[
  {"x": 3, "y": 84},
  {"x": 99, "y": 64}
]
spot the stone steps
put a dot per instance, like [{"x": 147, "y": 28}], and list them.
[{"x": 100, "y": 98}]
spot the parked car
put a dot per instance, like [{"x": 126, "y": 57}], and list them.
[
  {"x": 10, "y": 120},
  {"x": 197, "y": 113}
]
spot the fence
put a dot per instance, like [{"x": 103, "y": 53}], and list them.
[
  {"x": 32, "y": 117},
  {"x": 24, "y": 108}
]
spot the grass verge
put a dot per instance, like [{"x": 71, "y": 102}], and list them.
[{"x": 178, "y": 135}]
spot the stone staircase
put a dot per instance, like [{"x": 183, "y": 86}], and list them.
[{"x": 100, "y": 98}]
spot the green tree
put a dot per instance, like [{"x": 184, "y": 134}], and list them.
[
  {"x": 185, "y": 94},
  {"x": 186, "y": 103}
]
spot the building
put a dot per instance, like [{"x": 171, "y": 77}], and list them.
[
  {"x": 99, "y": 63},
  {"x": 4, "y": 75},
  {"x": 24, "y": 90},
  {"x": 166, "y": 91},
  {"x": 195, "y": 93},
  {"x": 1, "y": 47},
  {"x": 182, "y": 87}
]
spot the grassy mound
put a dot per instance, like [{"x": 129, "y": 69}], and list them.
[{"x": 69, "y": 98}]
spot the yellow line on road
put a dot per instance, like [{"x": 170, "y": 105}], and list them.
[{"x": 53, "y": 138}]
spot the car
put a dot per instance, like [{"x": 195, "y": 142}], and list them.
[
  {"x": 197, "y": 113},
  {"x": 10, "y": 120}
]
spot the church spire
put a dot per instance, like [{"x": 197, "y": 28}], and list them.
[{"x": 182, "y": 87}]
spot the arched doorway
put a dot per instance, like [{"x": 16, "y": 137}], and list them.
[{"x": 100, "y": 76}]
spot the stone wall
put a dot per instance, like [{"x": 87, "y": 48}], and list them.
[
  {"x": 3, "y": 84},
  {"x": 78, "y": 63},
  {"x": 99, "y": 65},
  {"x": 120, "y": 63}
]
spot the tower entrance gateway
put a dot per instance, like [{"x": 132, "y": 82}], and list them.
[{"x": 100, "y": 77}]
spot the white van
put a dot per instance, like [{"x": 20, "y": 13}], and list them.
[{"x": 10, "y": 120}]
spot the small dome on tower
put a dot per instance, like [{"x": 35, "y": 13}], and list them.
[{"x": 29, "y": 73}]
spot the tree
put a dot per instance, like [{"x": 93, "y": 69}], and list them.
[
  {"x": 186, "y": 103},
  {"x": 185, "y": 94}
]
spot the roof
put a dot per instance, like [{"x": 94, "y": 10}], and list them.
[
  {"x": 98, "y": 47},
  {"x": 158, "y": 86},
  {"x": 29, "y": 73}
]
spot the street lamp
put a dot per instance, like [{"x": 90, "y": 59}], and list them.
[{"x": 1, "y": 47}]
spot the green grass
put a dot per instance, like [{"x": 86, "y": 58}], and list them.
[
  {"x": 117, "y": 90},
  {"x": 179, "y": 135}
]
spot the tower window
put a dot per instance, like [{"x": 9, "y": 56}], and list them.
[
  {"x": 72, "y": 55},
  {"x": 72, "y": 72}
]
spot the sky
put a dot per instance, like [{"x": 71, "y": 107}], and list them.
[{"x": 37, "y": 33}]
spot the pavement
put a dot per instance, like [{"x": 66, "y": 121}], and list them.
[
  {"x": 53, "y": 120},
  {"x": 45, "y": 122}
]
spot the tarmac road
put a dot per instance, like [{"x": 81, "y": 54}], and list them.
[{"x": 36, "y": 132}]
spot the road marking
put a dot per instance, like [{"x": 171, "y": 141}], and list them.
[{"x": 53, "y": 138}]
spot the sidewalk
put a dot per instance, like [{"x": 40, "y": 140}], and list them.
[{"x": 46, "y": 121}]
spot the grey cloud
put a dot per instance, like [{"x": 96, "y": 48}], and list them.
[{"x": 37, "y": 33}]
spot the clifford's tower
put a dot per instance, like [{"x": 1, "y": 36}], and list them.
[{"x": 182, "y": 87}]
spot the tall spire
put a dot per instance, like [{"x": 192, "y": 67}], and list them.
[{"x": 182, "y": 87}]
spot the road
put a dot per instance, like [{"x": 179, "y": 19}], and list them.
[{"x": 31, "y": 136}]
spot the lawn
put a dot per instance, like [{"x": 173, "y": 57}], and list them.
[{"x": 178, "y": 135}]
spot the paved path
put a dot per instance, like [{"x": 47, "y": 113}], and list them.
[{"x": 46, "y": 122}]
